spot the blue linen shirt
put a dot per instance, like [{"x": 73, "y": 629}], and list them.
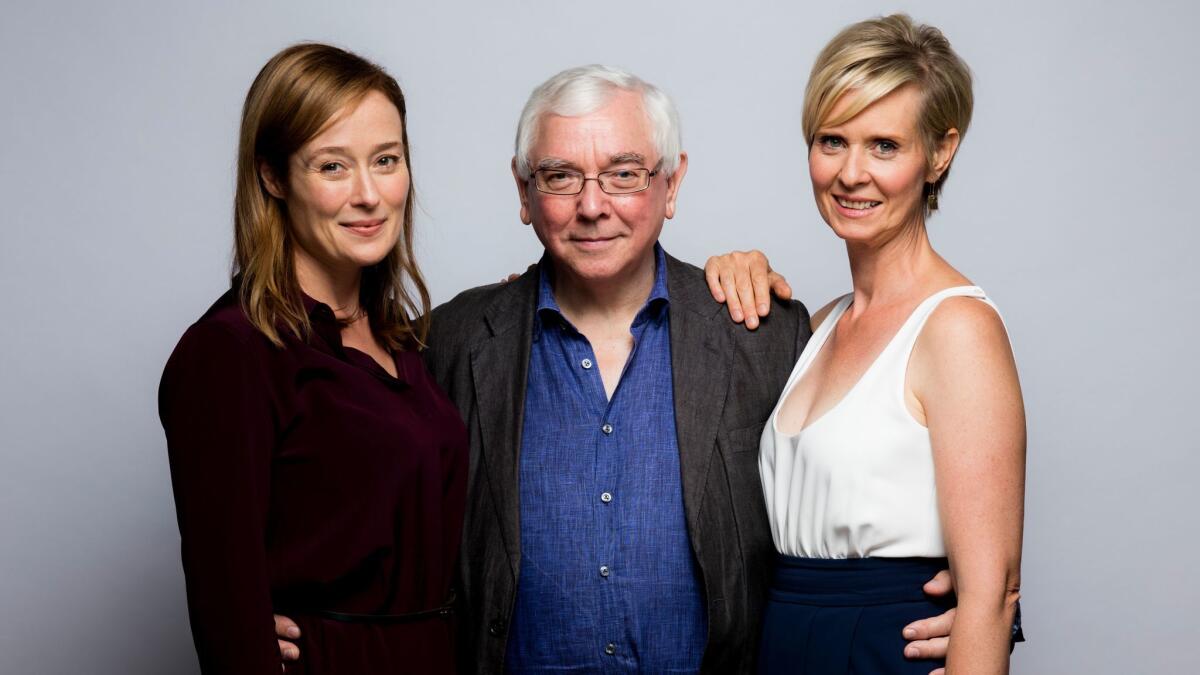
[{"x": 608, "y": 582}]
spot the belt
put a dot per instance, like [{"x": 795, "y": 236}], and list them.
[{"x": 445, "y": 611}]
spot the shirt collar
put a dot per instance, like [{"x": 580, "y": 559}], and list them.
[{"x": 548, "y": 306}]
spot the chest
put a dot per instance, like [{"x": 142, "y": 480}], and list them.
[
  {"x": 349, "y": 430},
  {"x": 840, "y": 362}
]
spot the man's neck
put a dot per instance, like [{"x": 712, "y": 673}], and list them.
[{"x": 614, "y": 302}]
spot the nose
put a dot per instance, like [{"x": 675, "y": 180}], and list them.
[
  {"x": 593, "y": 202},
  {"x": 854, "y": 170},
  {"x": 366, "y": 193}
]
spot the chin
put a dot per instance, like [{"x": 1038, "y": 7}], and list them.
[{"x": 367, "y": 258}]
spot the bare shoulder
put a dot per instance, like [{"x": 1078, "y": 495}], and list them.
[
  {"x": 964, "y": 340},
  {"x": 819, "y": 317},
  {"x": 964, "y": 323}
]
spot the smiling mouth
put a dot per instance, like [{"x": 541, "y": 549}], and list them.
[
  {"x": 364, "y": 227},
  {"x": 857, "y": 205}
]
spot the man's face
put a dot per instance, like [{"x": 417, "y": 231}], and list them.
[{"x": 596, "y": 237}]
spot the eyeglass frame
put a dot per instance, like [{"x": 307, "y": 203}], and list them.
[{"x": 650, "y": 174}]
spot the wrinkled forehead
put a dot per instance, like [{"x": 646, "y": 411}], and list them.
[{"x": 619, "y": 129}]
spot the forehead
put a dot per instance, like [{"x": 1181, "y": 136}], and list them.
[
  {"x": 620, "y": 126},
  {"x": 369, "y": 120},
  {"x": 896, "y": 113}
]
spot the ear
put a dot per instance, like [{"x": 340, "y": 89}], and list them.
[
  {"x": 522, "y": 193},
  {"x": 269, "y": 180},
  {"x": 942, "y": 155},
  {"x": 673, "y": 184}
]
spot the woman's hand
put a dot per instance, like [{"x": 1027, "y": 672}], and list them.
[{"x": 744, "y": 281}]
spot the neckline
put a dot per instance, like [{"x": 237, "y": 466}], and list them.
[{"x": 827, "y": 328}]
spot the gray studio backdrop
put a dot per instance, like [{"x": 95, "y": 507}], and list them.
[{"x": 1071, "y": 203}]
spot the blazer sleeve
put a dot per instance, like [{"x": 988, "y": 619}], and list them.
[{"x": 220, "y": 427}]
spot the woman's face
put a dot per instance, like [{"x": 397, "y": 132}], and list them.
[
  {"x": 868, "y": 174},
  {"x": 347, "y": 187}
]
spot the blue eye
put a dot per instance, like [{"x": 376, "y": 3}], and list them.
[
  {"x": 886, "y": 147},
  {"x": 831, "y": 142}
]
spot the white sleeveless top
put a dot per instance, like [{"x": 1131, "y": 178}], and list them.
[{"x": 857, "y": 481}]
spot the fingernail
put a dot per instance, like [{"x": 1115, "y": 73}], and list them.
[
  {"x": 737, "y": 316},
  {"x": 910, "y": 633},
  {"x": 911, "y": 652},
  {"x": 291, "y": 653},
  {"x": 762, "y": 308},
  {"x": 293, "y": 632}
]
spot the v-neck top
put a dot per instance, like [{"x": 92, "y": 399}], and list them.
[
  {"x": 307, "y": 479},
  {"x": 858, "y": 480}
]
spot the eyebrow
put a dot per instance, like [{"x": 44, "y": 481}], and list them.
[
  {"x": 619, "y": 158},
  {"x": 627, "y": 158},
  {"x": 339, "y": 150},
  {"x": 553, "y": 163}
]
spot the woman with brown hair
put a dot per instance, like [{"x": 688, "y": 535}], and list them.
[{"x": 317, "y": 468}]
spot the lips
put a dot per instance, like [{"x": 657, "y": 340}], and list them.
[
  {"x": 854, "y": 208},
  {"x": 364, "y": 228},
  {"x": 857, "y": 204},
  {"x": 593, "y": 243}
]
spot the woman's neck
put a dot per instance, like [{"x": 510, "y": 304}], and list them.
[
  {"x": 337, "y": 288},
  {"x": 893, "y": 270}
]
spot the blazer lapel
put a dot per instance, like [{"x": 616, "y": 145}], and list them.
[
  {"x": 701, "y": 360},
  {"x": 499, "y": 366}
]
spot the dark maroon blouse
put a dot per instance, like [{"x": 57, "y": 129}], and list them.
[{"x": 309, "y": 479}]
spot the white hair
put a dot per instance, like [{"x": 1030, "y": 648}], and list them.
[{"x": 585, "y": 89}]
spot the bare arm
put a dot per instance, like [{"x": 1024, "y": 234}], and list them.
[{"x": 964, "y": 382}]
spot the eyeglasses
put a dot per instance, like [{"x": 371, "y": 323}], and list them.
[{"x": 570, "y": 182}]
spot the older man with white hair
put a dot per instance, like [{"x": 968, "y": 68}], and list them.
[{"x": 615, "y": 519}]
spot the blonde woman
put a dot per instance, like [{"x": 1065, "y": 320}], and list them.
[
  {"x": 317, "y": 468},
  {"x": 899, "y": 440}
]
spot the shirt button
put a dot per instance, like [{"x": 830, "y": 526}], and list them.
[
  {"x": 586, "y": 363},
  {"x": 607, "y": 428},
  {"x": 610, "y": 649},
  {"x": 606, "y": 497},
  {"x": 604, "y": 571}
]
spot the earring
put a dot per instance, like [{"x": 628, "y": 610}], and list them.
[{"x": 931, "y": 199}]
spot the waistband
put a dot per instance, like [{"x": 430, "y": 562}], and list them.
[
  {"x": 445, "y": 611},
  {"x": 853, "y": 581}
]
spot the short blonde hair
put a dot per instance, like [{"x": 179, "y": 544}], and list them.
[{"x": 875, "y": 57}]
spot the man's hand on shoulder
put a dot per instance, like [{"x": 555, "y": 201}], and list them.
[{"x": 744, "y": 281}]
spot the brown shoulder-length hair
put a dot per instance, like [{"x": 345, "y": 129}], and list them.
[{"x": 295, "y": 96}]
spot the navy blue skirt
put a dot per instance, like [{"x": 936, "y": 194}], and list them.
[{"x": 845, "y": 616}]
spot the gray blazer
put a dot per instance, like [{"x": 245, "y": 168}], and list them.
[{"x": 726, "y": 382}]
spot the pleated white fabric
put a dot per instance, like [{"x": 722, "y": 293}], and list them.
[{"x": 857, "y": 481}]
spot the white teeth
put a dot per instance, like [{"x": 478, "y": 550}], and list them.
[{"x": 856, "y": 205}]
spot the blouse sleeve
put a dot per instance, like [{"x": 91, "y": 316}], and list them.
[{"x": 215, "y": 405}]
